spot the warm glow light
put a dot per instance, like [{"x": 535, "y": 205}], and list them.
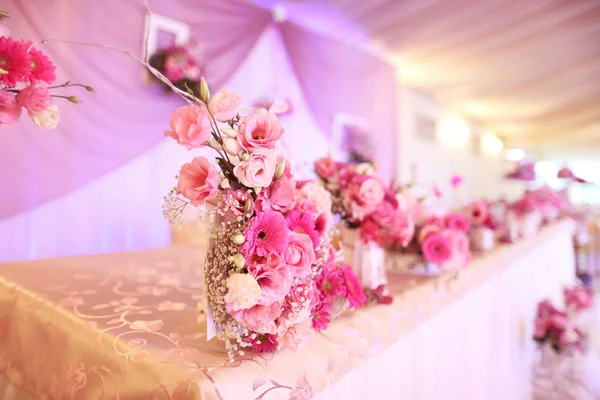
[
  {"x": 490, "y": 144},
  {"x": 515, "y": 154},
  {"x": 453, "y": 131}
]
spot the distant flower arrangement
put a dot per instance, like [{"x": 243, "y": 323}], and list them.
[
  {"x": 179, "y": 66},
  {"x": 271, "y": 275},
  {"x": 524, "y": 171},
  {"x": 25, "y": 73},
  {"x": 555, "y": 328}
]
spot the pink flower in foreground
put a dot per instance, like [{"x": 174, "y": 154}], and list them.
[
  {"x": 326, "y": 167},
  {"x": 321, "y": 315},
  {"x": 317, "y": 195},
  {"x": 190, "y": 126},
  {"x": 437, "y": 249},
  {"x": 356, "y": 295},
  {"x": 267, "y": 234},
  {"x": 282, "y": 194},
  {"x": 14, "y": 60},
  {"x": 259, "y": 131},
  {"x": 265, "y": 343},
  {"x": 42, "y": 69},
  {"x": 299, "y": 222},
  {"x": 10, "y": 110},
  {"x": 273, "y": 276},
  {"x": 457, "y": 222},
  {"x": 198, "y": 180},
  {"x": 258, "y": 171},
  {"x": 260, "y": 319},
  {"x": 479, "y": 212},
  {"x": 332, "y": 283},
  {"x": 371, "y": 192},
  {"x": 300, "y": 254},
  {"x": 225, "y": 105},
  {"x": 34, "y": 97}
]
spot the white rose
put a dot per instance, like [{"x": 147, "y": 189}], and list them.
[
  {"x": 317, "y": 195},
  {"x": 243, "y": 291},
  {"x": 48, "y": 118}
]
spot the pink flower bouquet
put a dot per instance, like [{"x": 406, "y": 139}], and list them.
[
  {"x": 482, "y": 223},
  {"x": 26, "y": 74},
  {"x": 179, "y": 66},
  {"x": 523, "y": 171},
  {"x": 555, "y": 328},
  {"x": 270, "y": 275}
]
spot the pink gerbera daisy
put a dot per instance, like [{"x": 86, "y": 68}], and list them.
[
  {"x": 436, "y": 248},
  {"x": 356, "y": 296},
  {"x": 265, "y": 343},
  {"x": 14, "y": 61},
  {"x": 42, "y": 69},
  {"x": 332, "y": 283},
  {"x": 321, "y": 316},
  {"x": 300, "y": 222},
  {"x": 267, "y": 234}
]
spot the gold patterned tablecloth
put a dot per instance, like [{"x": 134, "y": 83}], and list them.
[{"x": 127, "y": 326}]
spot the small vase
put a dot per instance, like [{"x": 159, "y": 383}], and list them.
[
  {"x": 482, "y": 239},
  {"x": 367, "y": 259}
]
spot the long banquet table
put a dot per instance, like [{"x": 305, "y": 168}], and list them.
[{"x": 126, "y": 326}]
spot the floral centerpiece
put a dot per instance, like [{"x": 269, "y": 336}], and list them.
[
  {"x": 26, "y": 74},
  {"x": 482, "y": 225},
  {"x": 179, "y": 65},
  {"x": 370, "y": 213},
  {"x": 556, "y": 329},
  {"x": 440, "y": 243},
  {"x": 523, "y": 171},
  {"x": 525, "y": 214},
  {"x": 271, "y": 276}
]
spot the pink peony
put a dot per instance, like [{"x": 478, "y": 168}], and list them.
[
  {"x": 34, "y": 97},
  {"x": 437, "y": 249},
  {"x": 198, "y": 180},
  {"x": 300, "y": 254},
  {"x": 267, "y": 234},
  {"x": 258, "y": 171},
  {"x": 14, "y": 60},
  {"x": 10, "y": 109},
  {"x": 457, "y": 222},
  {"x": 326, "y": 168},
  {"x": 356, "y": 296},
  {"x": 265, "y": 343},
  {"x": 479, "y": 212},
  {"x": 42, "y": 69},
  {"x": 299, "y": 222},
  {"x": 282, "y": 193},
  {"x": 259, "y": 318},
  {"x": 259, "y": 131},
  {"x": 225, "y": 105},
  {"x": 273, "y": 276},
  {"x": 190, "y": 126}
]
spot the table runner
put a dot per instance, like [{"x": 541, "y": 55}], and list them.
[{"x": 127, "y": 324}]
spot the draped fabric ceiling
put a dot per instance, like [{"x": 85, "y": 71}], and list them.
[
  {"x": 124, "y": 117},
  {"x": 527, "y": 70}
]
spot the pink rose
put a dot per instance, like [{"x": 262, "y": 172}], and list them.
[
  {"x": 371, "y": 192},
  {"x": 300, "y": 254},
  {"x": 326, "y": 167},
  {"x": 273, "y": 276},
  {"x": 282, "y": 193},
  {"x": 34, "y": 97},
  {"x": 260, "y": 318},
  {"x": 307, "y": 207},
  {"x": 190, "y": 126},
  {"x": 225, "y": 105},
  {"x": 437, "y": 249},
  {"x": 259, "y": 131},
  {"x": 198, "y": 180},
  {"x": 10, "y": 109},
  {"x": 258, "y": 170}
]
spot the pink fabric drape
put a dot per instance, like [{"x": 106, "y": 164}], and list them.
[{"x": 125, "y": 118}]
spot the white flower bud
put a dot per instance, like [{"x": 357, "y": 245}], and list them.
[
  {"x": 239, "y": 239},
  {"x": 239, "y": 261},
  {"x": 280, "y": 169},
  {"x": 231, "y": 146},
  {"x": 245, "y": 156},
  {"x": 232, "y": 133},
  {"x": 204, "y": 91}
]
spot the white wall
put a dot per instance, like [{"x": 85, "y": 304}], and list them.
[{"x": 437, "y": 161}]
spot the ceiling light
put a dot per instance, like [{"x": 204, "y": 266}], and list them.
[
  {"x": 515, "y": 154},
  {"x": 453, "y": 131},
  {"x": 490, "y": 144}
]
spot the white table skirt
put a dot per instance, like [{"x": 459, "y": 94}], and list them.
[{"x": 479, "y": 347}]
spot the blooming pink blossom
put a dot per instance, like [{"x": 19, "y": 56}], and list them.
[
  {"x": 282, "y": 193},
  {"x": 224, "y": 105},
  {"x": 322, "y": 223},
  {"x": 303, "y": 223},
  {"x": 371, "y": 192},
  {"x": 306, "y": 207},
  {"x": 42, "y": 69},
  {"x": 198, "y": 180},
  {"x": 436, "y": 249},
  {"x": 300, "y": 254},
  {"x": 190, "y": 126},
  {"x": 321, "y": 315},
  {"x": 259, "y": 131},
  {"x": 267, "y": 234},
  {"x": 326, "y": 168},
  {"x": 265, "y": 343},
  {"x": 356, "y": 295},
  {"x": 259, "y": 318},
  {"x": 14, "y": 60},
  {"x": 332, "y": 283},
  {"x": 479, "y": 212},
  {"x": 317, "y": 195},
  {"x": 258, "y": 171},
  {"x": 10, "y": 109},
  {"x": 34, "y": 97},
  {"x": 457, "y": 222},
  {"x": 273, "y": 276}
]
